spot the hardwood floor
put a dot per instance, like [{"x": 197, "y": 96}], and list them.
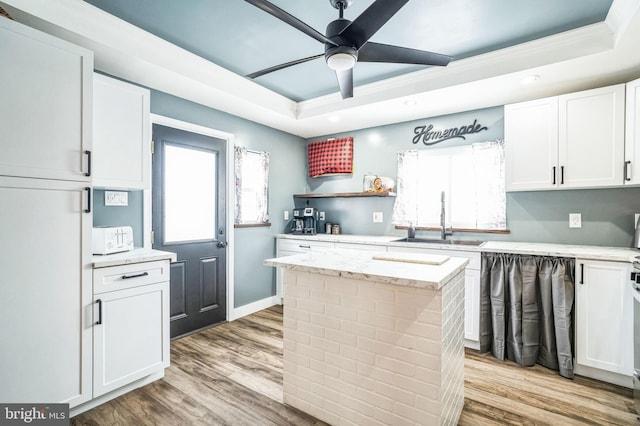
[{"x": 231, "y": 374}]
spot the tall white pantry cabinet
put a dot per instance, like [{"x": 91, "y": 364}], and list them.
[{"x": 45, "y": 218}]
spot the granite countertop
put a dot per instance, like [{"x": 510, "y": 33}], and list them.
[
  {"x": 138, "y": 255},
  {"x": 616, "y": 254},
  {"x": 359, "y": 265}
]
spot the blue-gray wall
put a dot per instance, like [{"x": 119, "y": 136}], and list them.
[
  {"x": 253, "y": 280},
  {"x": 130, "y": 215},
  {"x": 607, "y": 214}
]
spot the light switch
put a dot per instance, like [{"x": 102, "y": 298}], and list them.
[
  {"x": 377, "y": 217},
  {"x": 116, "y": 198}
]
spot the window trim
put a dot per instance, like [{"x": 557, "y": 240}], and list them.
[
  {"x": 238, "y": 189},
  {"x": 403, "y": 204}
]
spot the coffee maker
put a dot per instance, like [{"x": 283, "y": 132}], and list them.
[{"x": 304, "y": 221}]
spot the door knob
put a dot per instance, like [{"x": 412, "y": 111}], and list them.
[{"x": 222, "y": 244}]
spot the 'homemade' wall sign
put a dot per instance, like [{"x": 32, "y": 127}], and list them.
[{"x": 428, "y": 136}]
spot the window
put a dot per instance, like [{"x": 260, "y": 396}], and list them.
[
  {"x": 471, "y": 177},
  {"x": 252, "y": 186}
]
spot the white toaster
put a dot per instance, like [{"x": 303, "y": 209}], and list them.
[{"x": 112, "y": 239}]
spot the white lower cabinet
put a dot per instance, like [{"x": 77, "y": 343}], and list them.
[
  {"x": 471, "y": 289},
  {"x": 131, "y": 324},
  {"x": 290, "y": 247},
  {"x": 604, "y": 318}
]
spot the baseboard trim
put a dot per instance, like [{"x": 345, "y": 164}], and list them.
[{"x": 253, "y": 307}]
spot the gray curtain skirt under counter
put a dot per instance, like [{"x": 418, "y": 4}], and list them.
[{"x": 526, "y": 309}]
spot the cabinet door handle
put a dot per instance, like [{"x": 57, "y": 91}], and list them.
[
  {"x": 627, "y": 175},
  {"x": 582, "y": 273},
  {"x": 99, "y": 302},
  {"x": 554, "y": 175},
  {"x": 142, "y": 274},
  {"x": 88, "y": 163},
  {"x": 88, "y": 209},
  {"x": 561, "y": 175}
]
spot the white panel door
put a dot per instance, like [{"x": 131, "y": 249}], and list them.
[
  {"x": 591, "y": 137},
  {"x": 45, "y": 105},
  {"x": 472, "y": 305},
  {"x": 531, "y": 145},
  {"x": 45, "y": 294},
  {"x": 632, "y": 135},
  {"x": 121, "y": 135},
  {"x": 604, "y": 316},
  {"x": 131, "y": 335}
]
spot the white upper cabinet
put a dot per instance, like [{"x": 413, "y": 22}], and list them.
[
  {"x": 591, "y": 137},
  {"x": 565, "y": 142},
  {"x": 121, "y": 135},
  {"x": 632, "y": 138},
  {"x": 45, "y": 105},
  {"x": 531, "y": 144}
]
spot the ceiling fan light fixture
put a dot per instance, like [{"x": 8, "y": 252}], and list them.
[{"x": 341, "y": 61}]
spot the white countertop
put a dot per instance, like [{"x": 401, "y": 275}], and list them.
[
  {"x": 616, "y": 254},
  {"x": 359, "y": 265},
  {"x": 138, "y": 255}
]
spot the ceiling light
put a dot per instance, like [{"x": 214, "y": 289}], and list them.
[
  {"x": 341, "y": 61},
  {"x": 529, "y": 79}
]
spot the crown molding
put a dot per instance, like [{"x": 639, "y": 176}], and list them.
[{"x": 584, "y": 57}]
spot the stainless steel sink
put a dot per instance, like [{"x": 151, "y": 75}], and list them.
[{"x": 438, "y": 241}]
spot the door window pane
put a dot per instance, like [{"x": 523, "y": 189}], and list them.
[{"x": 190, "y": 194}]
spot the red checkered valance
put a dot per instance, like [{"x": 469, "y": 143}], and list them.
[{"x": 330, "y": 157}]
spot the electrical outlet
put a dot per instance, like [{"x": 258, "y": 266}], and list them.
[
  {"x": 322, "y": 216},
  {"x": 575, "y": 220},
  {"x": 286, "y": 215},
  {"x": 377, "y": 217}
]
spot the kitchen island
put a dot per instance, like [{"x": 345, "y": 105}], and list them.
[{"x": 374, "y": 339}]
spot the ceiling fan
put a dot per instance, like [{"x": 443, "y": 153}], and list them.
[{"x": 346, "y": 42}]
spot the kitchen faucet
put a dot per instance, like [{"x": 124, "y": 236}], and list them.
[{"x": 443, "y": 226}]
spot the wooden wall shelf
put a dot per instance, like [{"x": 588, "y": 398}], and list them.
[{"x": 346, "y": 195}]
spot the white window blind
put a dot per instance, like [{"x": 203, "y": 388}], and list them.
[
  {"x": 472, "y": 178},
  {"x": 252, "y": 186}
]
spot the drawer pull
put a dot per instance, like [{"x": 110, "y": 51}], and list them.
[
  {"x": 143, "y": 274},
  {"x": 88, "y": 153},
  {"x": 88, "y": 209},
  {"x": 303, "y": 246},
  {"x": 99, "y": 302}
]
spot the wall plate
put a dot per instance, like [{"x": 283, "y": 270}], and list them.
[
  {"x": 575, "y": 220},
  {"x": 116, "y": 198}
]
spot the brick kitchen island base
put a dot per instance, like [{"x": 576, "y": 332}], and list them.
[{"x": 361, "y": 350}]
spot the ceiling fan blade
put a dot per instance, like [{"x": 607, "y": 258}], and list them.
[
  {"x": 290, "y": 19},
  {"x": 371, "y": 20},
  {"x": 285, "y": 65},
  {"x": 345, "y": 81},
  {"x": 376, "y": 52}
]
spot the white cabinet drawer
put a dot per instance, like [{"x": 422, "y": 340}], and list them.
[
  {"x": 303, "y": 246},
  {"x": 361, "y": 247},
  {"x": 127, "y": 276}
]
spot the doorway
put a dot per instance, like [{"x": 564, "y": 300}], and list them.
[{"x": 189, "y": 203}]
